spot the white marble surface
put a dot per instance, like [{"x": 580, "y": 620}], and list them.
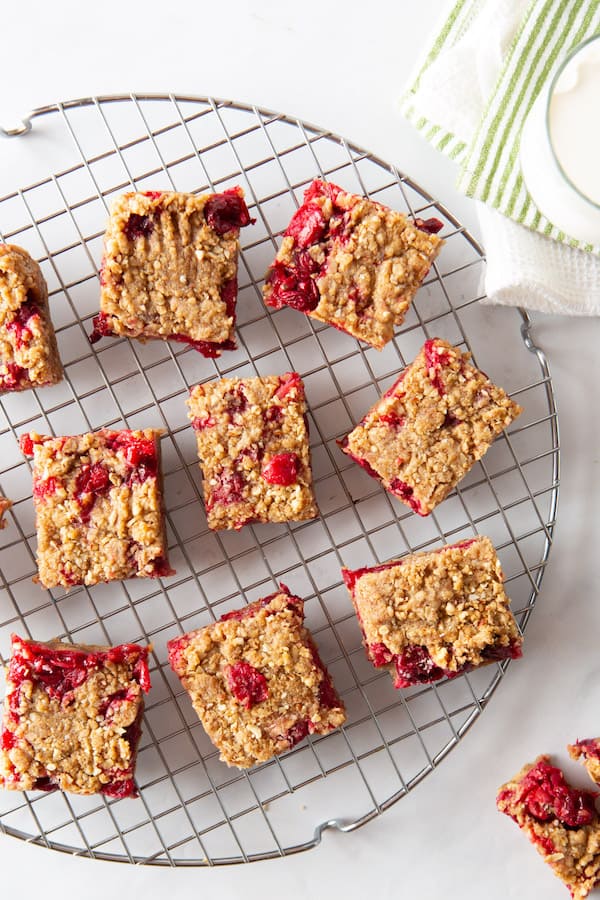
[{"x": 445, "y": 838}]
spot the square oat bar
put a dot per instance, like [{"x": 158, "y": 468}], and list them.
[
  {"x": 254, "y": 450},
  {"x": 28, "y": 350},
  {"x": 435, "y": 614},
  {"x": 170, "y": 268},
  {"x": 73, "y": 717},
  {"x": 560, "y": 820},
  {"x": 351, "y": 262},
  {"x": 99, "y": 509},
  {"x": 256, "y": 680},
  {"x": 430, "y": 427}
]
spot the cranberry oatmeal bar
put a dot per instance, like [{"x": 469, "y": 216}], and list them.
[
  {"x": 254, "y": 450},
  {"x": 351, "y": 262},
  {"x": 5, "y": 505},
  {"x": 435, "y": 614},
  {"x": 98, "y": 501},
  {"x": 560, "y": 820},
  {"x": 28, "y": 350},
  {"x": 170, "y": 268},
  {"x": 588, "y": 751},
  {"x": 72, "y": 717},
  {"x": 441, "y": 416},
  {"x": 256, "y": 680}
]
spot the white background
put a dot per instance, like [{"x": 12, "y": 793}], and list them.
[{"x": 344, "y": 69}]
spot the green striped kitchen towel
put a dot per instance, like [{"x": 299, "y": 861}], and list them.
[{"x": 472, "y": 105}]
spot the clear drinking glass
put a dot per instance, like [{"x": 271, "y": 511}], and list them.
[{"x": 559, "y": 163}]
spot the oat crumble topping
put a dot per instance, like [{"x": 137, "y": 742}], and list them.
[
  {"x": 72, "y": 717},
  {"x": 435, "y": 613},
  {"x": 170, "y": 268},
  {"x": 98, "y": 501},
  {"x": 28, "y": 349},
  {"x": 254, "y": 450},
  {"x": 351, "y": 262},
  {"x": 431, "y": 426},
  {"x": 256, "y": 680}
]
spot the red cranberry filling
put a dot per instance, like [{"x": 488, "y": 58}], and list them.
[
  {"x": 273, "y": 414},
  {"x": 160, "y": 568},
  {"x": 205, "y": 421},
  {"x": 229, "y": 296},
  {"x": 320, "y": 188},
  {"x": 415, "y": 666},
  {"x": 226, "y": 212},
  {"x": 246, "y": 683},
  {"x": 140, "y": 454},
  {"x": 288, "y": 382},
  {"x": 307, "y": 225},
  {"x": 294, "y": 285},
  {"x": 281, "y": 469},
  {"x": 8, "y": 740},
  {"x": 14, "y": 377},
  {"x": 450, "y": 420},
  {"x": 393, "y": 419},
  {"x": 118, "y": 790},
  {"x": 175, "y": 648},
  {"x": 431, "y": 226},
  {"x": 362, "y": 462},
  {"x": 546, "y": 795},
  {"x": 590, "y": 748},
  {"x": 101, "y": 328},
  {"x": 209, "y": 349},
  {"x": 405, "y": 492},
  {"x": 380, "y": 655},
  {"x": 138, "y": 226},
  {"x": 110, "y": 704},
  {"x": 236, "y": 402},
  {"x": 298, "y": 732},
  {"x": 153, "y": 195},
  {"x": 544, "y": 842},
  {"x": 61, "y": 670},
  {"x": 512, "y": 650},
  {"x": 18, "y": 326},
  {"x": 92, "y": 482},
  {"x": 435, "y": 358},
  {"x": 229, "y": 489},
  {"x": 44, "y": 488},
  {"x": 351, "y": 576}
]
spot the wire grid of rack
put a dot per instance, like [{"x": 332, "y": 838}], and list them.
[{"x": 192, "y": 809}]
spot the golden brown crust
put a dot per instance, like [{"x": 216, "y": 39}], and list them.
[
  {"x": 83, "y": 740},
  {"x": 241, "y": 426},
  {"x": 165, "y": 277},
  {"x": 572, "y": 852},
  {"x": 297, "y": 694},
  {"x": 91, "y": 531},
  {"x": 370, "y": 274},
  {"x": 450, "y": 601},
  {"x": 28, "y": 349},
  {"x": 5, "y": 505},
  {"x": 430, "y": 428}
]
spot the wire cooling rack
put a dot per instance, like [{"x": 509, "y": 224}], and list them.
[{"x": 192, "y": 809}]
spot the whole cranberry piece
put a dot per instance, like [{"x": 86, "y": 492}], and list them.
[{"x": 281, "y": 469}]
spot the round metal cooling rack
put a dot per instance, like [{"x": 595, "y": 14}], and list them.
[{"x": 192, "y": 809}]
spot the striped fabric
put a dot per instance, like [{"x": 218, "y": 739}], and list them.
[{"x": 489, "y": 159}]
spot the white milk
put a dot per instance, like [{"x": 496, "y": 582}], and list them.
[
  {"x": 574, "y": 121},
  {"x": 560, "y": 147}
]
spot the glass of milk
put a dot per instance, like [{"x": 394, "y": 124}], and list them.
[{"x": 560, "y": 146}]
